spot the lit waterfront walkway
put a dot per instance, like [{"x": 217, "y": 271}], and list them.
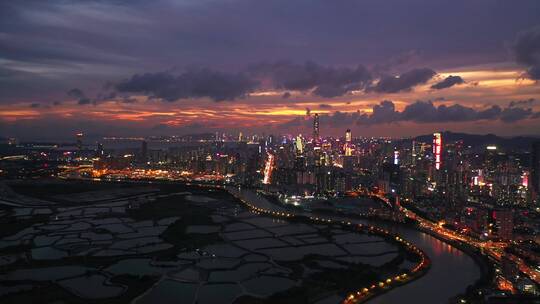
[
  {"x": 261, "y": 204},
  {"x": 450, "y": 273}
]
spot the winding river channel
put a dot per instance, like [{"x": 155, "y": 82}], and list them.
[{"x": 451, "y": 270}]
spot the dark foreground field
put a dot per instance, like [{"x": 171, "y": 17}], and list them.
[{"x": 93, "y": 242}]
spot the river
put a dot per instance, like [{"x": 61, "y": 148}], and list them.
[{"x": 451, "y": 270}]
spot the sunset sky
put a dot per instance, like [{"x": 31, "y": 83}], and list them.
[{"x": 165, "y": 67}]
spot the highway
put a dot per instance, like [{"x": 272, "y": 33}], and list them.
[{"x": 495, "y": 250}]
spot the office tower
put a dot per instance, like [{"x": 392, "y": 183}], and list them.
[
  {"x": 270, "y": 141},
  {"x": 348, "y": 147},
  {"x": 100, "y": 151},
  {"x": 437, "y": 149},
  {"x": 79, "y": 141},
  {"x": 389, "y": 178},
  {"x": 144, "y": 151},
  {"x": 268, "y": 168},
  {"x": 299, "y": 145},
  {"x": 348, "y": 150},
  {"x": 240, "y": 137},
  {"x": 413, "y": 153},
  {"x": 348, "y": 163},
  {"x": 504, "y": 223},
  {"x": 316, "y": 128}
]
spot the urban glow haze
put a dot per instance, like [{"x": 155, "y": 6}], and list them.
[{"x": 380, "y": 68}]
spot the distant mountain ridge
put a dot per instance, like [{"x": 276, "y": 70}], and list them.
[{"x": 478, "y": 141}]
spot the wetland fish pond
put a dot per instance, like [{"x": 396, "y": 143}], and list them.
[{"x": 79, "y": 242}]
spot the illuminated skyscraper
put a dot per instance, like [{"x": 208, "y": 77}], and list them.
[
  {"x": 437, "y": 149},
  {"x": 299, "y": 145},
  {"x": 348, "y": 147},
  {"x": 348, "y": 150},
  {"x": 316, "y": 127},
  {"x": 268, "y": 168}
]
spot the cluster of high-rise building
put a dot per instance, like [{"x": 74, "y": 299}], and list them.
[{"x": 470, "y": 187}]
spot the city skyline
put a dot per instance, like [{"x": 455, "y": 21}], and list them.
[
  {"x": 240, "y": 151},
  {"x": 180, "y": 67}
]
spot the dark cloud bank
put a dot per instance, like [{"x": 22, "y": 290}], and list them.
[
  {"x": 218, "y": 86},
  {"x": 422, "y": 112},
  {"x": 448, "y": 82},
  {"x": 527, "y": 51},
  {"x": 80, "y": 96},
  {"x": 322, "y": 80},
  {"x": 319, "y": 80},
  {"x": 403, "y": 82},
  {"x": 82, "y": 43}
]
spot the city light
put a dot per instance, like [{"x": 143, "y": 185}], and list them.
[
  {"x": 278, "y": 152},
  {"x": 437, "y": 149},
  {"x": 268, "y": 168}
]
